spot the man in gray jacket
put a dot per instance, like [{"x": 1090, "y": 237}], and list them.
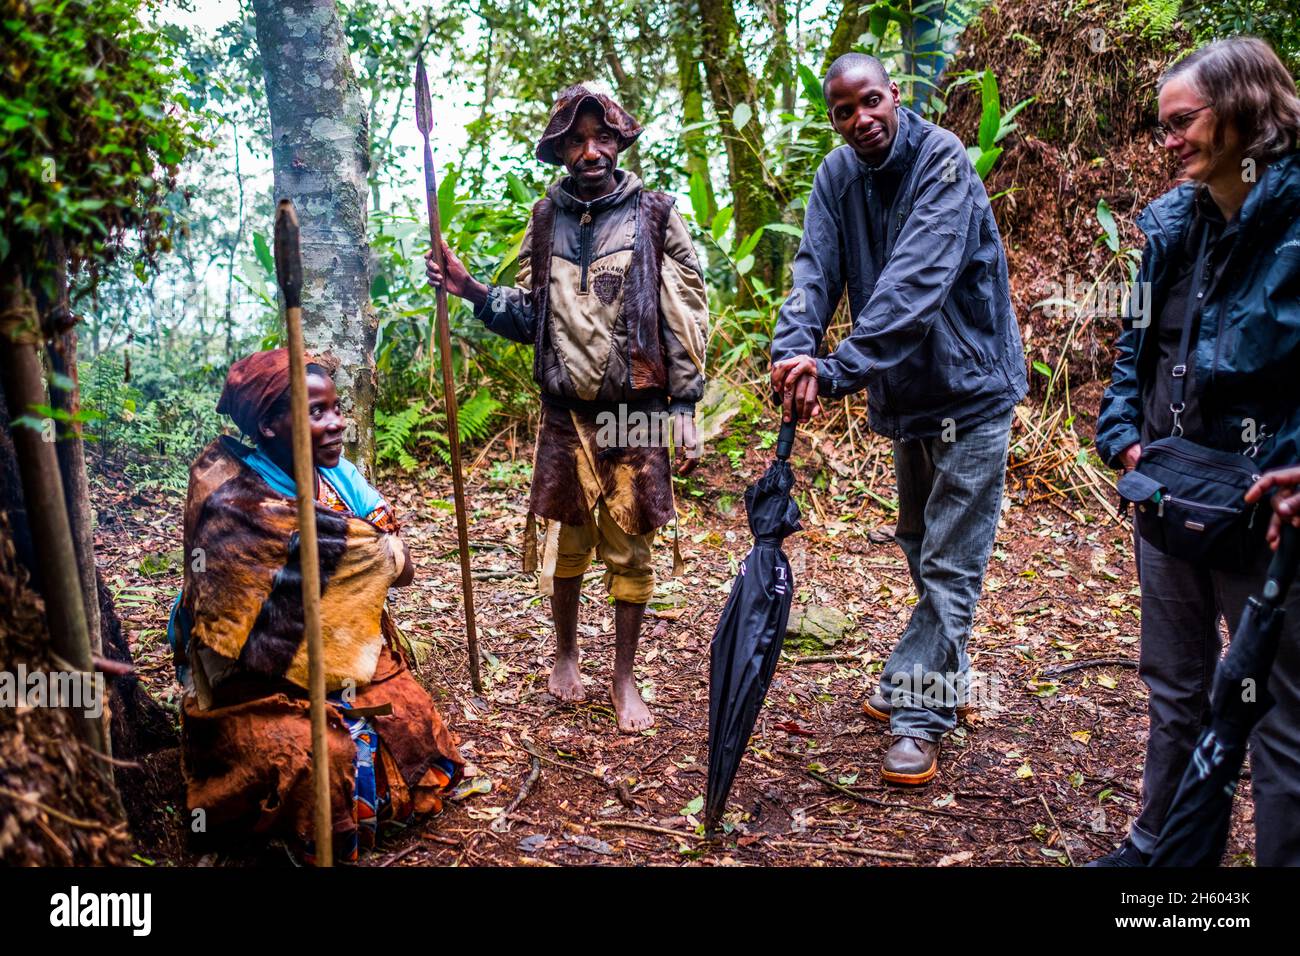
[{"x": 899, "y": 218}]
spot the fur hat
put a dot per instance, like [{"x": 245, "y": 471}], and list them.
[{"x": 565, "y": 111}]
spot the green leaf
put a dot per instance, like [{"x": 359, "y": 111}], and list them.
[
  {"x": 62, "y": 382},
  {"x": 879, "y": 22},
  {"x": 812, "y": 88},
  {"x": 263, "y": 252},
  {"x": 721, "y": 220},
  {"x": 700, "y": 199},
  {"x": 1042, "y": 368},
  {"x": 986, "y": 161},
  {"x": 520, "y": 192},
  {"x": 694, "y": 807},
  {"x": 750, "y": 241},
  {"x": 1107, "y": 220},
  {"x": 1005, "y": 124},
  {"x": 786, "y": 228},
  {"x": 991, "y": 115},
  {"x": 744, "y": 264},
  {"x": 741, "y": 116},
  {"x": 447, "y": 204}
]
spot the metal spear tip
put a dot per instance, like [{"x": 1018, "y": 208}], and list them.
[
  {"x": 288, "y": 260},
  {"x": 423, "y": 99}
]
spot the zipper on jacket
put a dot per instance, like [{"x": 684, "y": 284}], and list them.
[
  {"x": 1193, "y": 460},
  {"x": 955, "y": 327},
  {"x": 584, "y": 246},
  {"x": 1202, "y": 505}
]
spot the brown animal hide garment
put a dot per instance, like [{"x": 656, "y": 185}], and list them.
[
  {"x": 246, "y": 729},
  {"x": 572, "y": 471},
  {"x": 575, "y": 466}
]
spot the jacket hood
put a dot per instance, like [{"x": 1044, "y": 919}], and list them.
[
  {"x": 1275, "y": 198},
  {"x": 625, "y": 185}
]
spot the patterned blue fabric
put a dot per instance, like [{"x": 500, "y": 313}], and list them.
[{"x": 357, "y": 493}]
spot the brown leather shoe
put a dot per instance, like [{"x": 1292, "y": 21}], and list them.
[
  {"x": 911, "y": 761},
  {"x": 877, "y": 707}
]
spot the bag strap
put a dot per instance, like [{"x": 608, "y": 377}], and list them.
[{"x": 1195, "y": 293}]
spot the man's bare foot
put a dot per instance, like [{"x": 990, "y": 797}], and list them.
[
  {"x": 633, "y": 715},
  {"x": 566, "y": 682}
]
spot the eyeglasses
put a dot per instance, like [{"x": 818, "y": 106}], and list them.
[{"x": 1176, "y": 126}]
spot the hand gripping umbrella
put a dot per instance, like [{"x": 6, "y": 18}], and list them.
[
  {"x": 748, "y": 640},
  {"x": 1196, "y": 830}
]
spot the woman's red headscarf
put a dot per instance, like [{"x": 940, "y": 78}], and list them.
[{"x": 254, "y": 384}]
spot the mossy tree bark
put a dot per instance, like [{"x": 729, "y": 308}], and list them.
[
  {"x": 320, "y": 148},
  {"x": 56, "y": 571},
  {"x": 755, "y": 195},
  {"x": 690, "y": 83}
]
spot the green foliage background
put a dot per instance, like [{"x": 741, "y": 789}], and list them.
[{"x": 728, "y": 117}]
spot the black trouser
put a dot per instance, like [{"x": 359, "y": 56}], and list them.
[{"x": 1181, "y": 606}]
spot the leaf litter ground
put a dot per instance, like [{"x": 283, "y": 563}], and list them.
[{"x": 1051, "y": 775}]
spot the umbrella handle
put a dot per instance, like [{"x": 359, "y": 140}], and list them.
[
  {"x": 785, "y": 440},
  {"x": 1282, "y": 569}
]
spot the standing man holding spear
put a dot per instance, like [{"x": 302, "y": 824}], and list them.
[{"x": 609, "y": 291}]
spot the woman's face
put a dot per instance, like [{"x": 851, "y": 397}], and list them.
[
  {"x": 326, "y": 418},
  {"x": 1193, "y": 145}
]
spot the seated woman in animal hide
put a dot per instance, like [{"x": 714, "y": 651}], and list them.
[{"x": 238, "y": 638}]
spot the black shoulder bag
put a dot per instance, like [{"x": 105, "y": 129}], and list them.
[{"x": 1188, "y": 499}]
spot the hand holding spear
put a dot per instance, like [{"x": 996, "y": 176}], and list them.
[
  {"x": 424, "y": 120},
  {"x": 288, "y": 272}
]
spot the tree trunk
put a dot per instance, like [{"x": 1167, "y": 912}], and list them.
[
  {"x": 924, "y": 57},
  {"x": 57, "y": 322},
  {"x": 852, "y": 22},
  {"x": 753, "y": 193},
  {"x": 42, "y": 487},
  {"x": 694, "y": 142},
  {"x": 320, "y": 148}
]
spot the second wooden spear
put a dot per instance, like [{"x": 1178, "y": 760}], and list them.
[
  {"x": 424, "y": 120},
  {"x": 288, "y": 272}
]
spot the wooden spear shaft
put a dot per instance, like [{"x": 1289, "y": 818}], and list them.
[
  {"x": 288, "y": 271},
  {"x": 424, "y": 120}
]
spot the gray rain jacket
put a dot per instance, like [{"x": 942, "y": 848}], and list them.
[{"x": 913, "y": 240}]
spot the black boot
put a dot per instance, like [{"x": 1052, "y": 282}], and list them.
[{"x": 1126, "y": 854}]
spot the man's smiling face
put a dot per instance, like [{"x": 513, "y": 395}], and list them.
[
  {"x": 590, "y": 152},
  {"x": 862, "y": 105}
]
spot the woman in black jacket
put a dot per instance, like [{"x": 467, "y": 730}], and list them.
[{"x": 1230, "y": 114}]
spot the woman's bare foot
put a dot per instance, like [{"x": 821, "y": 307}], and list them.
[
  {"x": 633, "y": 715},
  {"x": 566, "y": 682}
]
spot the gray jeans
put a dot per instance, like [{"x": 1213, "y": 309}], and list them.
[
  {"x": 1181, "y": 606},
  {"x": 949, "y": 499}
]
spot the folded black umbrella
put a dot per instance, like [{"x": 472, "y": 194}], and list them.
[
  {"x": 1195, "y": 832},
  {"x": 747, "y": 643}
]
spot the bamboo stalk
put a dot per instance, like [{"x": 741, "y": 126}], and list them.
[{"x": 288, "y": 270}]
